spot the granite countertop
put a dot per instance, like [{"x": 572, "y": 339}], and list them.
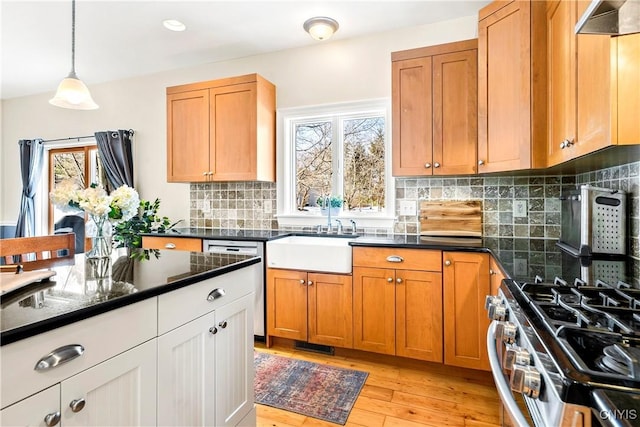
[
  {"x": 76, "y": 295},
  {"x": 520, "y": 258}
]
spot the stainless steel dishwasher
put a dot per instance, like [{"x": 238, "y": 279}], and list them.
[{"x": 252, "y": 248}]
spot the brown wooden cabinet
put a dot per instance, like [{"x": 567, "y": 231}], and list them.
[
  {"x": 512, "y": 102},
  {"x": 434, "y": 97},
  {"x": 587, "y": 74},
  {"x": 496, "y": 275},
  {"x": 192, "y": 244},
  {"x": 398, "y": 302},
  {"x": 466, "y": 284},
  {"x": 221, "y": 130},
  {"x": 313, "y": 307}
]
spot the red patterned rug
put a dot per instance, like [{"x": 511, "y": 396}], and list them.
[{"x": 307, "y": 388}]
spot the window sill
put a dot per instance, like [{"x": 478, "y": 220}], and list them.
[{"x": 293, "y": 220}]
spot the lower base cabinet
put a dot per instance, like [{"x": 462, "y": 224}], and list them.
[
  {"x": 117, "y": 392},
  {"x": 313, "y": 307},
  {"x": 203, "y": 378},
  {"x": 466, "y": 285}
]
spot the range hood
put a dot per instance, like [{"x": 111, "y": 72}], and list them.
[{"x": 615, "y": 18}]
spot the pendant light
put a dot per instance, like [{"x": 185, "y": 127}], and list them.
[{"x": 72, "y": 92}]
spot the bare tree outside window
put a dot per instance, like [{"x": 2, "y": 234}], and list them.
[
  {"x": 364, "y": 164},
  {"x": 313, "y": 162},
  {"x": 360, "y": 165}
]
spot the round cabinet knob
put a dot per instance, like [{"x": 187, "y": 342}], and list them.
[
  {"x": 447, "y": 263},
  {"x": 389, "y": 279},
  {"x": 427, "y": 165},
  {"x": 77, "y": 405},
  {"x": 309, "y": 283},
  {"x": 526, "y": 380},
  {"x": 52, "y": 419},
  {"x": 516, "y": 356},
  {"x": 506, "y": 332},
  {"x": 436, "y": 165},
  {"x": 205, "y": 173},
  {"x": 303, "y": 282},
  {"x": 480, "y": 162},
  {"x": 213, "y": 330},
  {"x": 491, "y": 272},
  {"x": 399, "y": 280},
  {"x": 223, "y": 324}
]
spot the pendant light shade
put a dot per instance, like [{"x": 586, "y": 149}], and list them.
[{"x": 72, "y": 92}]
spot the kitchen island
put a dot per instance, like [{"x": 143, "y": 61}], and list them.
[{"x": 123, "y": 350}]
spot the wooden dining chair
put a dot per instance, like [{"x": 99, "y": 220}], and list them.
[{"x": 36, "y": 253}]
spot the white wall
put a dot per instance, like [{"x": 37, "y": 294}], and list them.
[{"x": 330, "y": 72}]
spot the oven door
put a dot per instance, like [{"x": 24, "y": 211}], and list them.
[{"x": 513, "y": 408}]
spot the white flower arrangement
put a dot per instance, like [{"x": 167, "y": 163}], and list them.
[{"x": 121, "y": 205}]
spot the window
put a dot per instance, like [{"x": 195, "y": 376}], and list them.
[
  {"x": 79, "y": 163},
  {"x": 338, "y": 150}
]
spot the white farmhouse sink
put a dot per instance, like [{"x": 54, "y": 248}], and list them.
[{"x": 310, "y": 253}]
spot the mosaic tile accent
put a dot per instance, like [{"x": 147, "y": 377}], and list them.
[
  {"x": 252, "y": 205},
  {"x": 233, "y": 205},
  {"x": 541, "y": 194}
]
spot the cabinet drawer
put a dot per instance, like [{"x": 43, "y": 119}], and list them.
[
  {"x": 178, "y": 243},
  {"x": 402, "y": 258},
  {"x": 102, "y": 337},
  {"x": 179, "y": 307}
]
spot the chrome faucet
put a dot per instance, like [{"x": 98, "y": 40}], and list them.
[
  {"x": 339, "y": 229},
  {"x": 353, "y": 227},
  {"x": 328, "y": 205}
]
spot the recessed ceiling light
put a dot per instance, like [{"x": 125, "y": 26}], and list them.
[{"x": 174, "y": 25}]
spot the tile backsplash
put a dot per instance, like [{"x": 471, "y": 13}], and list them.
[{"x": 252, "y": 205}]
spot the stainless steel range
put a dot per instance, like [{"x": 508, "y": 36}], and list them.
[{"x": 569, "y": 346}]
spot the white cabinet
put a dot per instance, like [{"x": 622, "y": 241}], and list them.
[
  {"x": 197, "y": 370},
  {"x": 205, "y": 366},
  {"x": 40, "y": 410},
  {"x": 118, "y": 392}
]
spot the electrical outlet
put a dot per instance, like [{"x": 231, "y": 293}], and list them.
[
  {"x": 519, "y": 208},
  {"x": 520, "y": 267},
  {"x": 408, "y": 208}
]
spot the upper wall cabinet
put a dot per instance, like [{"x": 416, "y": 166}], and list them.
[
  {"x": 594, "y": 86},
  {"x": 221, "y": 130},
  {"x": 434, "y": 93},
  {"x": 512, "y": 103}
]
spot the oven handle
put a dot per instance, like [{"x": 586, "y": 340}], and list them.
[{"x": 504, "y": 390}]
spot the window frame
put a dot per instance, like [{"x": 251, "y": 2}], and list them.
[{"x": 287, "y": 213}]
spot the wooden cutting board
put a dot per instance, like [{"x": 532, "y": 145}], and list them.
[
  {"x": 12, "y": 281},
  {"x": 451, "y": 218}
]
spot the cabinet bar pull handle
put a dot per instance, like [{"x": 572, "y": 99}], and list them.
[
  {"x": 59, "y": 356},
  {"x": 52, "y": 419},
  {"x": 77, "y": 405},
  {"x": 215, "y": 294},
  {"x": 394, "y": 258},
  {"x": 170, "y": 246}
]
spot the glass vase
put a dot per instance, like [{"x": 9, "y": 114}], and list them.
[{"x": 98, "y": 259}]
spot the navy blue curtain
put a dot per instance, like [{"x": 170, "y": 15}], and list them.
[
  {"x": 31, "y": 158},
  {"x": 114, "y": 150}
]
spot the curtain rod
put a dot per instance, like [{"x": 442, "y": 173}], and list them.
[{"x": 78, "y": 138}]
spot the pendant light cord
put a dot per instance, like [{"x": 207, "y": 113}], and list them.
[{"x": 73, "y": 38}]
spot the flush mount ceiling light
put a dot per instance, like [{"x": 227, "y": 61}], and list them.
[
  {"x": 174, "y": 25},
  {"x": 72, "y": 92},
  {"x": 321, "y": 27}
]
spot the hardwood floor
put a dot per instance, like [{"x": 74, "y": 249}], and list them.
[{"x": 399, "y": 392}]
